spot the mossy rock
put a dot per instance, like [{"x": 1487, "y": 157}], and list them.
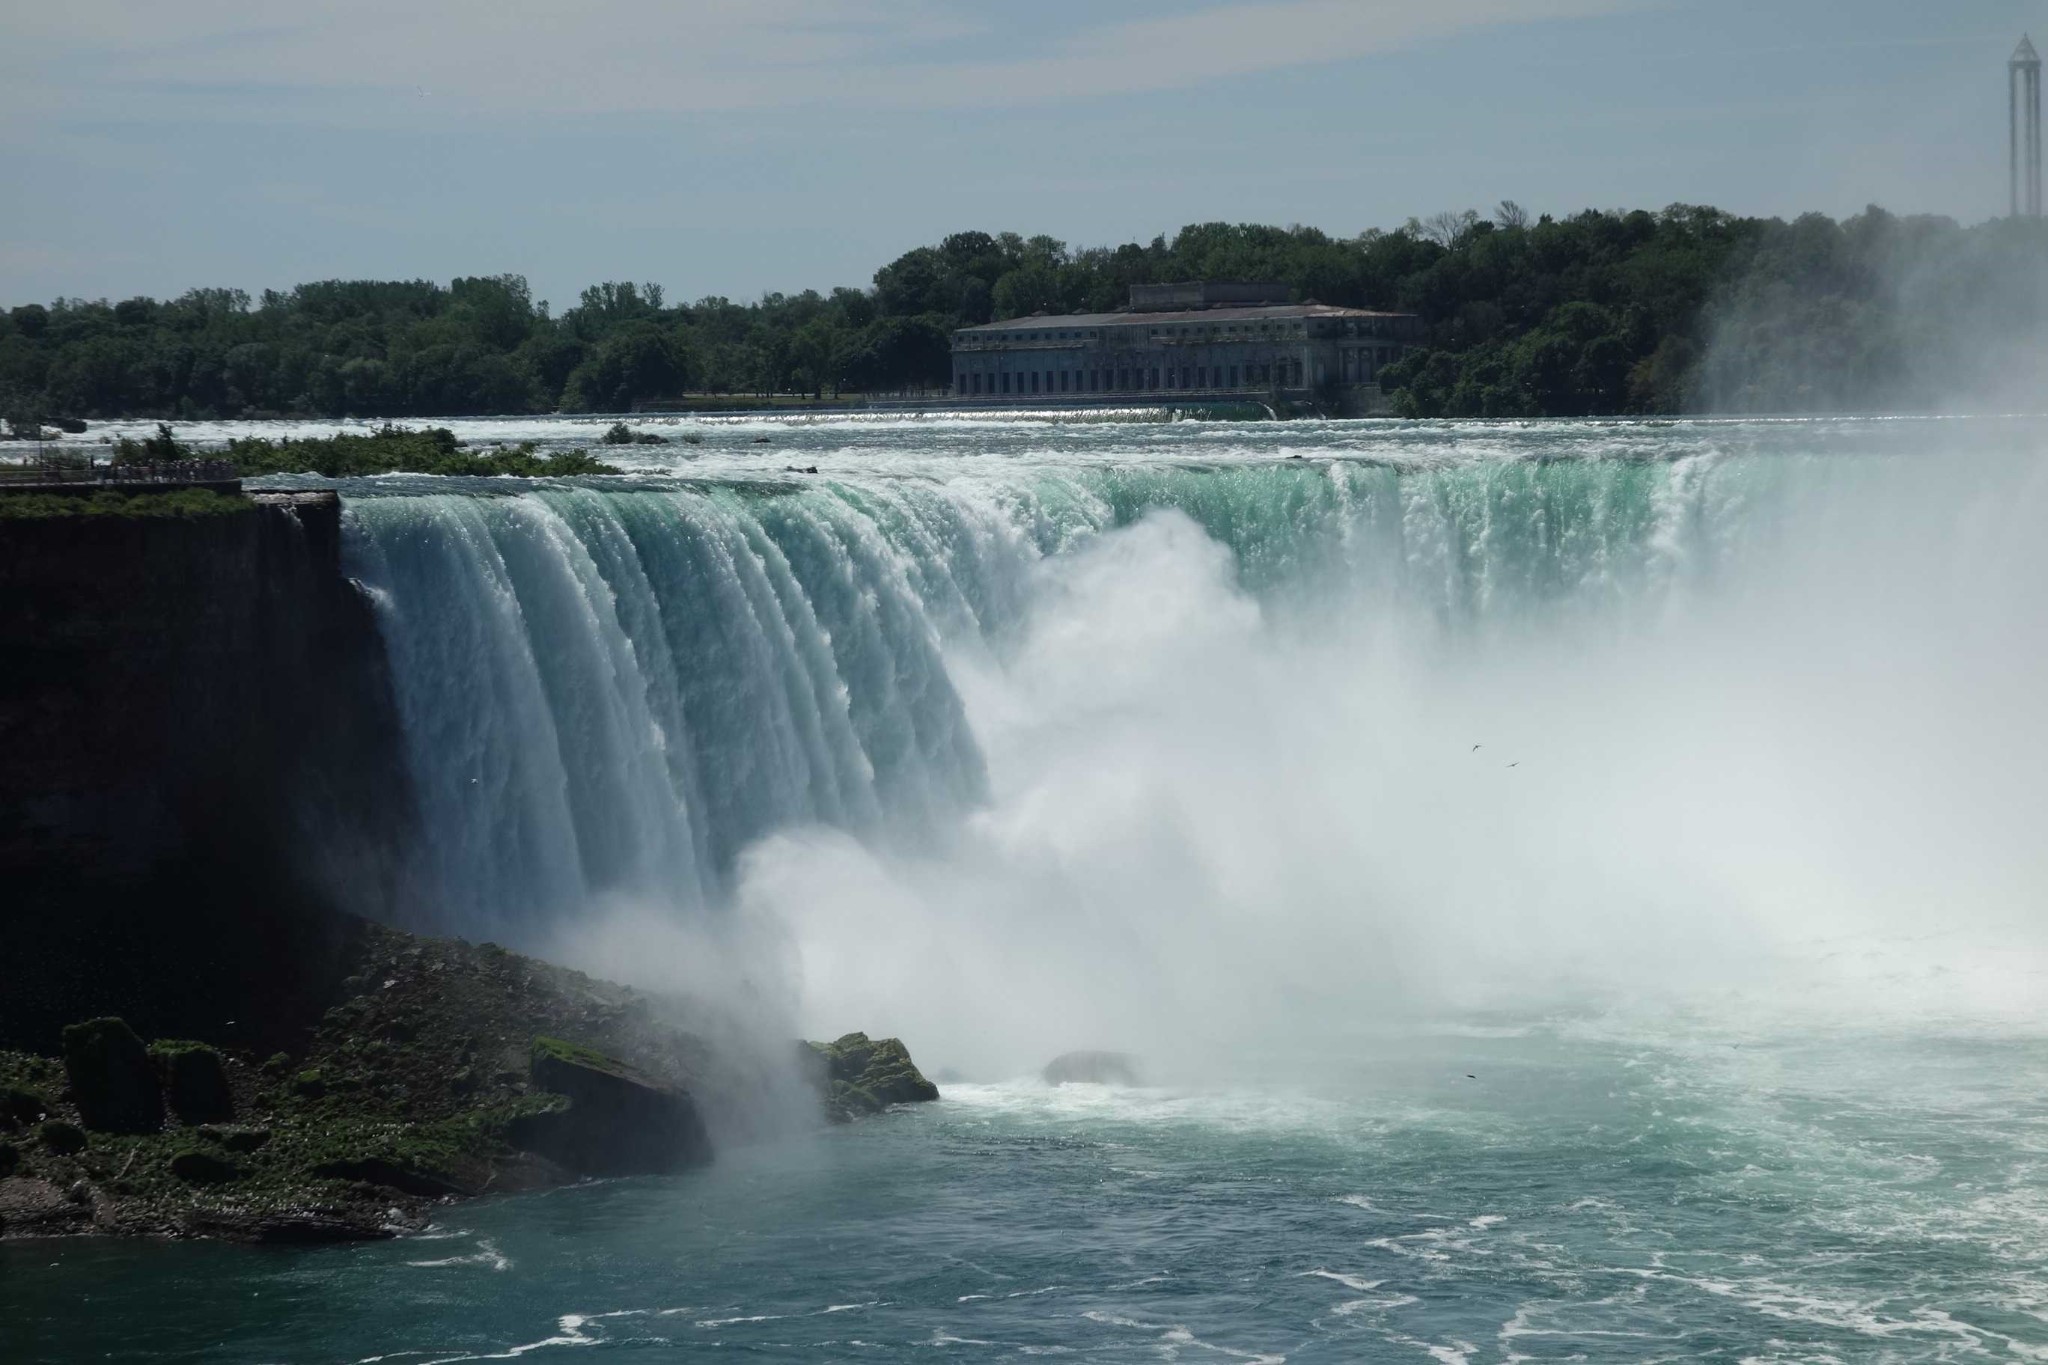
[
  {"x": 21, "y": 1108},
  {"x": 197, "y": 1166},
  {"x": 195, "y": 1081},
  {"x": 309, "y": 1083},
  {"x": 242, "y": 1140},
  {"x": 60, "y": 1138},
  {"x": 111, "y": 1079},
  {"x": 863, "y": 1075},
  {"x": 616, "y": 1122}
]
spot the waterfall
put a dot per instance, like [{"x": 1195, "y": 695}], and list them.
[
  {"x": 615, "y": 692},
  {"x": 624, "y": 690}
]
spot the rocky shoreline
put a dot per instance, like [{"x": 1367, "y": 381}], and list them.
[{"x": 445, "y": 1070}]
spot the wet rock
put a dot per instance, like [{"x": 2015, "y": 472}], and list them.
[
  {"x": 111, "y": 1079},
  {"x": 617, "y": 1121},
  {"x": 863, "y": 1075},
  {"x": 1092, "y": 1068},
  {"x": 195, "y": 1082}
]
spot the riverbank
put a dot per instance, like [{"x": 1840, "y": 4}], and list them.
[{"x": 443, "y": 1070}]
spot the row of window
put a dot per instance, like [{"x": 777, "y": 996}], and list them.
[
  {"x": 1210, "y": 329},
  {"x": 1285, "y": 374}
]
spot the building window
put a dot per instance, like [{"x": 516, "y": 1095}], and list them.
[
  {"x": 1153, "y": 375},
  {"x": 1006, "y": 381},
  {"x": 1034, "y": 381}
]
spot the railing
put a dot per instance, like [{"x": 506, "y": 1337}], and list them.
[{"x": 70, "y": 468}]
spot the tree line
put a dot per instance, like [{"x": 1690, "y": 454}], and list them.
[{"x": 1602, "y": 312}]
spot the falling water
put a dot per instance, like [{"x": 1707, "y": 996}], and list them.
[{"x": 1142, "y": 727}]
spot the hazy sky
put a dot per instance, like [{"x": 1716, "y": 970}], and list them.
[{"x": 737, "y": 146}]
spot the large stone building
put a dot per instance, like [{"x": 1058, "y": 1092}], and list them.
[{"x": 1192, "y": 342}]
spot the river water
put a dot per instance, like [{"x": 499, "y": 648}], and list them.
[{"x": 1574, "y": 892}]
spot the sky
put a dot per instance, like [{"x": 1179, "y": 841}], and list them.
[{"x": 735, "y": 147}]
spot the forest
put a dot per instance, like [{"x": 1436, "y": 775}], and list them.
[{"x": 1604, "y": 312}]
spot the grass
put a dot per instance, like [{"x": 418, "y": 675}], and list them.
[{"x": 401, "y": 450}]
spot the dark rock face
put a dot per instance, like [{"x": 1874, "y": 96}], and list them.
[
  {"x": 111, "y": 1078},
  {"x": 197, "y": 745},
  {"x": 863, "y": 1075},
  {"x": 617, "y": 1121},
  {"x": 195, "y": 1082},
  {"x": 1095, "y": 1068}
]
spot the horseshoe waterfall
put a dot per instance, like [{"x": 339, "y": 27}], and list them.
[{"x": 1556, "y": 891}]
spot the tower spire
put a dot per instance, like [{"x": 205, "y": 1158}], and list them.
[{"x": 2023, "y": 91}]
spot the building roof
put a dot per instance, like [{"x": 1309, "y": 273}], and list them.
[
  {"x": 1279, "y": 312},
  {"x": 2024, "y": 54}
]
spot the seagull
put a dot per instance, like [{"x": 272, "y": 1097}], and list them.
[
  {"x": 1516, "y": 764},
  {"x": 1470, "y": 1077},
  {"x": 1477, "y": 747}
]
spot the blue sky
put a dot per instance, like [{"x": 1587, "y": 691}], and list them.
[{"x": 737, "y": 146}]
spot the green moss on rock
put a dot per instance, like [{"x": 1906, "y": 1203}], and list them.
[{"x": 863, "y": 1075}]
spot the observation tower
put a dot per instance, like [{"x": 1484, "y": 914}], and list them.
[{"x": 2023, "y": 87}]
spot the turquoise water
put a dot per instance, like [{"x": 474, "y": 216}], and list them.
[
  {"x": 1848, "y": 1199},
  {"x": 1577, "y": 888}
]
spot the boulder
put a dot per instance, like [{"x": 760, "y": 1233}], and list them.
[
  {"x": 9, "y": 1159},
  {"x": 616, "y": 1121},
  {"x": 62, "y": 1139},
  {"x": 197, "y": 1166},
  {"x": 111, "y": 1079},
  {"x": 195, "y": 1081},
  {"x": 21, "y": 1108},
  {"x": 1093, "y": 1068},
  {"x": 863, "y": 1075}
]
